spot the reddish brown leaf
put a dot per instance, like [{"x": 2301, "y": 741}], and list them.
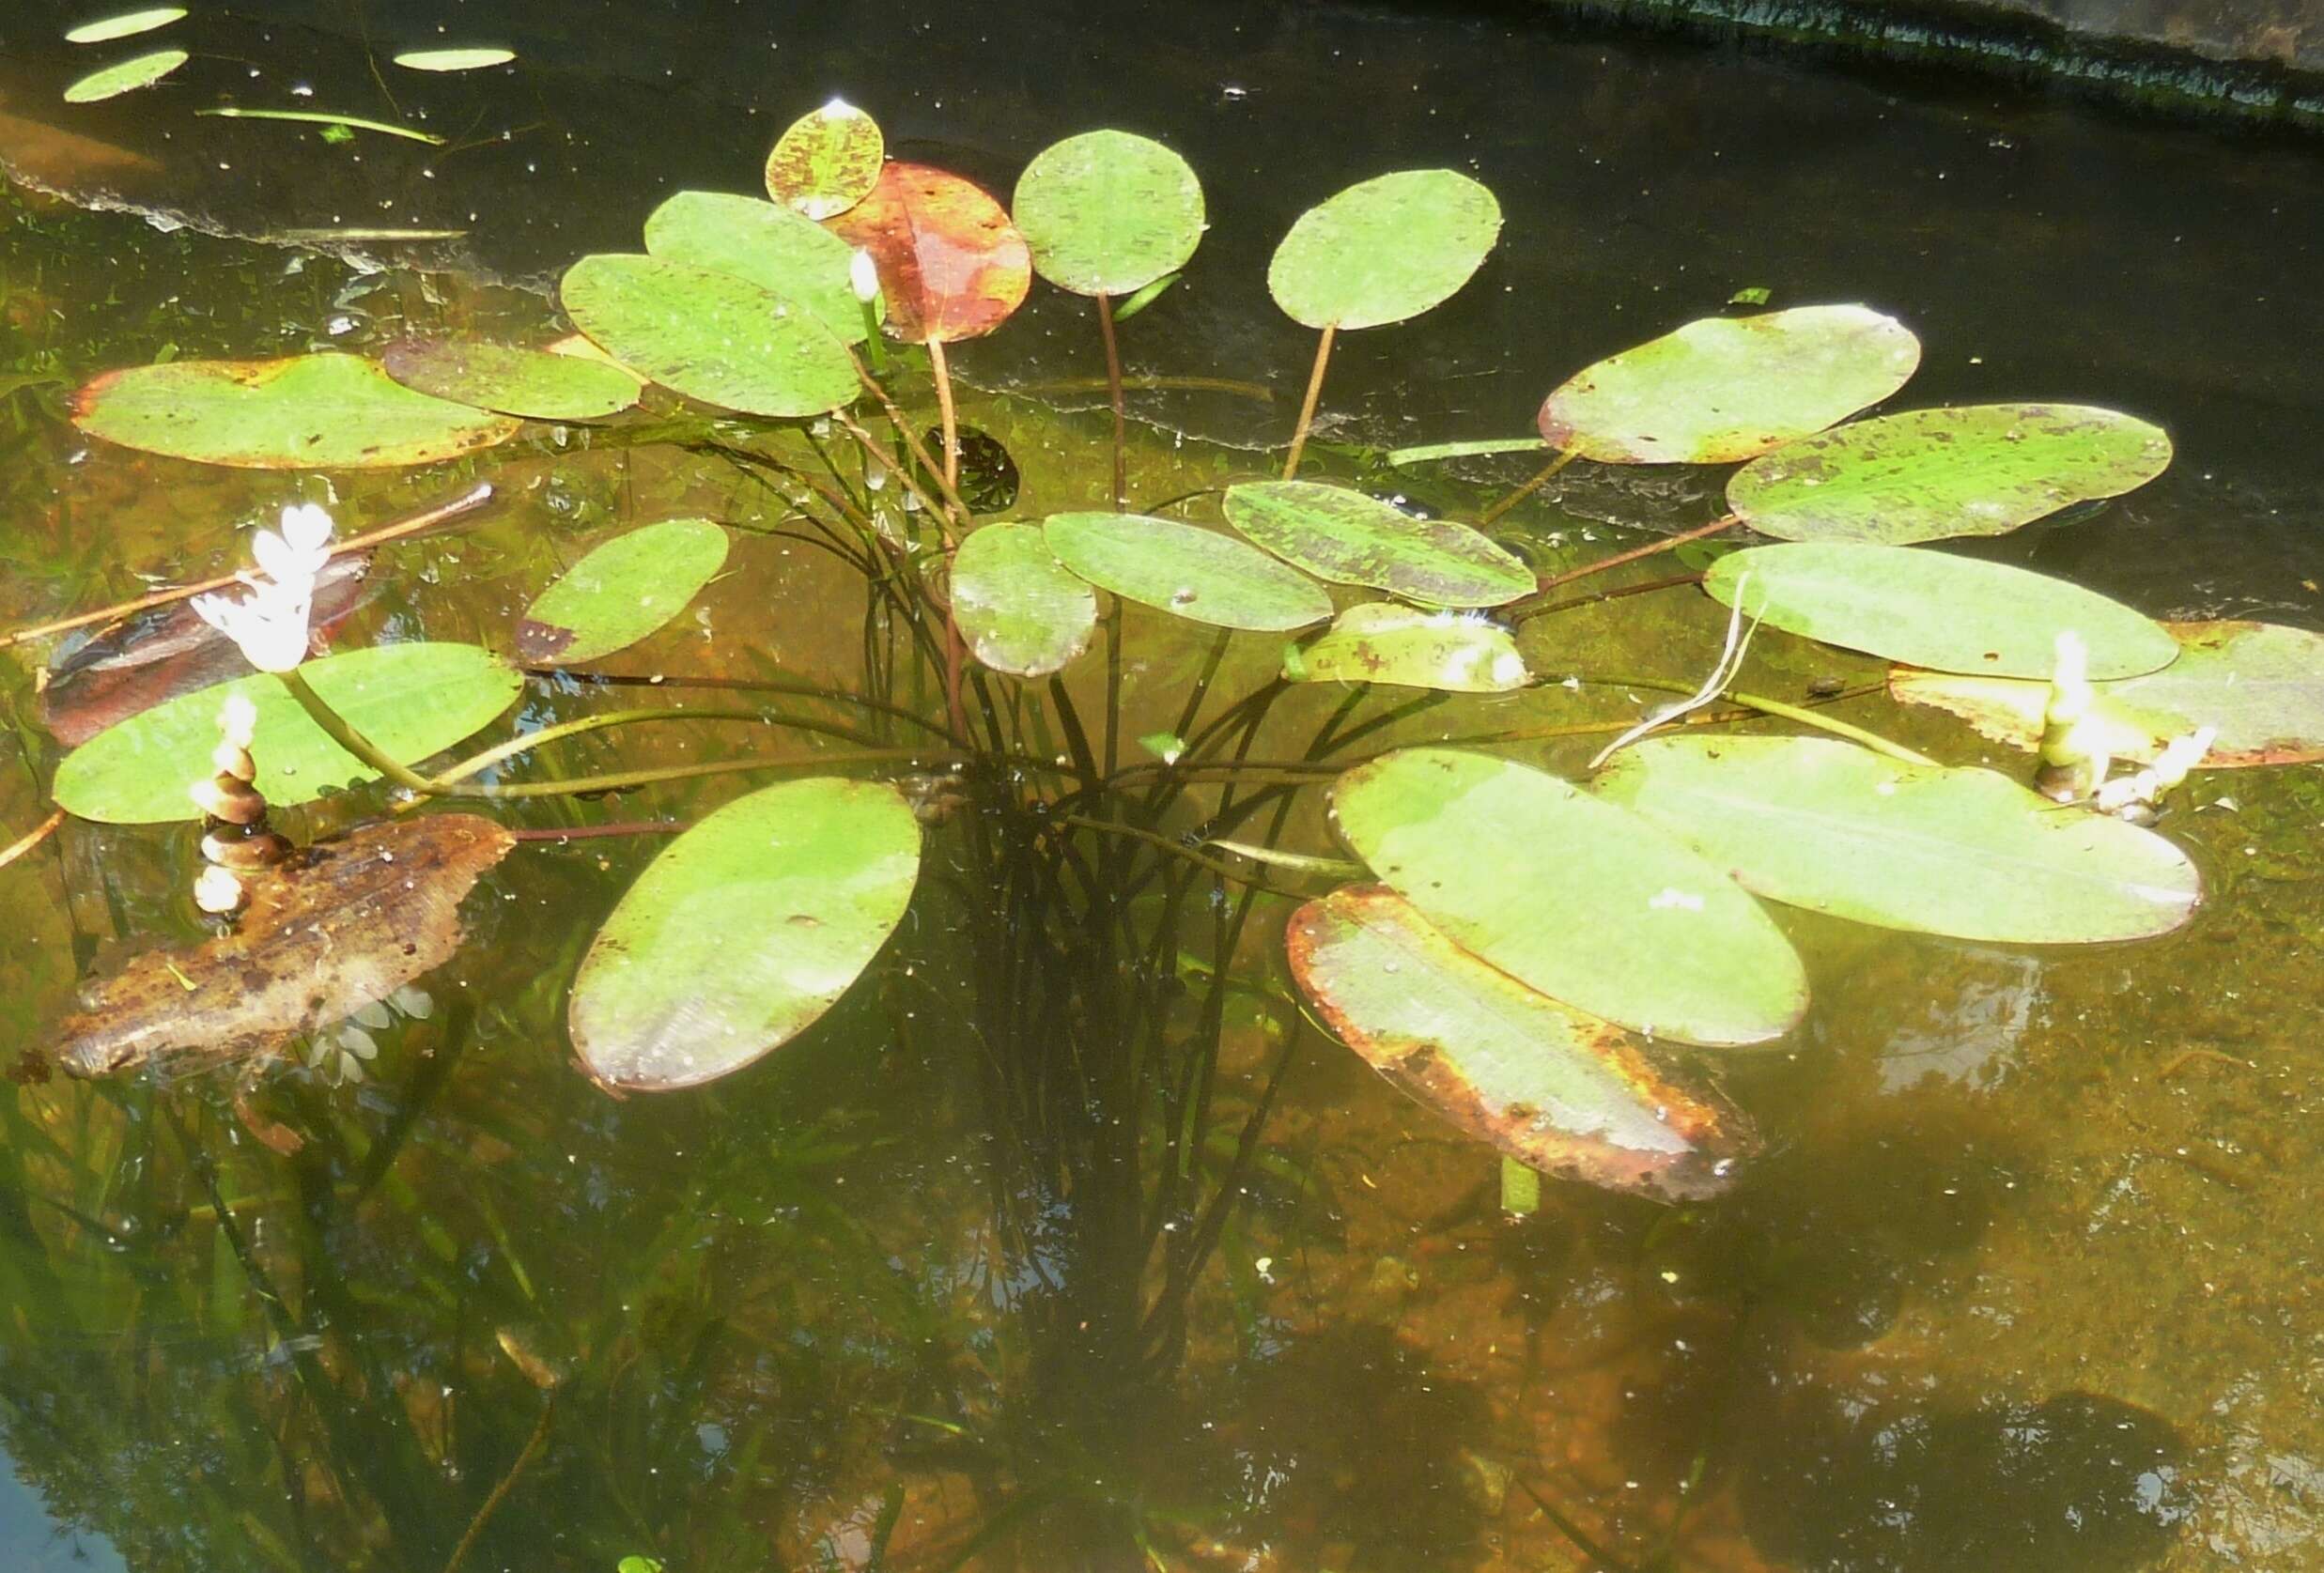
[
  {"x": 951, "y": 263},
  {"x": 339, "y": 926},
  {"x": 152, "y": 656}
]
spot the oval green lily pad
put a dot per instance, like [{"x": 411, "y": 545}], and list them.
[
  {"x": 1571, "y": 895},
  {"x": 535, "y": 384},
  {"x": 1729, "y": 388},
  {"x": 1197, "y": 574},
  {"x": 1340, "y": 534},
  {"x": 827, "y": 160},
  {"x": 772, "y": 247},
  {"x": 126, "y": 25},
  {"x": 322, "y": 412},
  {"x": 1108, "y": 213},
  {"x": 448, "y": 60},
  {"x": 742, "y": 932},
  {"x": 709, "y": 336},
  {"x": 1816, "y": 822},
  {"x": 1018, "y": 607},
  {"x": 125, "y": 77},
  {"x": 411, "y": 700},
  {"x": 620, "y": 590},
  {"x": 1555, "y": 1089},
  {"x": 1380, "y": 641},
  {"x": 2260, "y": 684},
  {"x": 1384, "y": 250},
  {"x": 1927, "y": 608},
  {"x": 1928, "y": 475}
]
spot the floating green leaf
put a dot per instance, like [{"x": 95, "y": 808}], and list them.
[
  {"x": 622, "y": 591},
  {"x": 827, "y": 160},
  {"x": 1380, "y": 641},
  {"x": 1183, "y": 568},
  {"x": 1586, "y": 902},
  {"x": 1552, "y": 1087},
  {"x": 127, "y": 25},
  {"x": 1108, "y": 213},
  {"x": 1817, "y": 823},
  {"x": 1340, "y": 534},
  {"x": 1727, "y": 388},
  {"x": 2261, "y": 684},
  {"x": 772, "y": 247},
  {"x": 1019, "y": 609},
  {"x": 537, "y": 384},
  {"x": 411, "y": 700},
  {"x": 127, "y": 77},
  {"x": 1383, "y": 249},
  {"x": 1926, "y": 474},
  {"x": 453, "y": 59},
  {"x": 709, "y": 336},
  {"x": 303, "y": 413},
  {"x": 742, "y": 932},
  {"x": 1927, "y": 608}
]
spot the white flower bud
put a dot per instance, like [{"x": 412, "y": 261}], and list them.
[
  {"x": 218, "y": 892},
  {"x": 865, "y": 275}
]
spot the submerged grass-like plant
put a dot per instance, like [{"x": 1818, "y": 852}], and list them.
[{"x": 1522, "y": 952}]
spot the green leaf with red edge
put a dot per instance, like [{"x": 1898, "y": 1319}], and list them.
[
  {"x": 951, "y": 264},
  {"x": 1554, "y": 1087},
  {"x": 827, "y": 160},
  {"x": 2260, "y": 684},
  {"x": 322, "y": 412}
]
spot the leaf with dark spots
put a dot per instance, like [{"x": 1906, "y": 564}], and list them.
[
  {"x": 951, "y": 263},
  {"x": 322, "y": 412},
  {"x": 1553, "y": 1088},
  {"x": 129, "y": 667},
  {"x": 337, "y": 927}
]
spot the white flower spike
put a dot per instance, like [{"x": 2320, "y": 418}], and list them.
[{"x": 269, "y": 620}]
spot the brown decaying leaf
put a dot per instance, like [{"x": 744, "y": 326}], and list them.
[
  {"x": 154, "y": 656},
  {"x": 1716, "y": 1134},
  {"x": 337, "y": 927},
  {"x": 951, "y": 263}
]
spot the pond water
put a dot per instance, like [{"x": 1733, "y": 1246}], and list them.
[{"x": 1064, "y": 1240}]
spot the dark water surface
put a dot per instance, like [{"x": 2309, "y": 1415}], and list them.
[{"x": 2026, "y": 1279}]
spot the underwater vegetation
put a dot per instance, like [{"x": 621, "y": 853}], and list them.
[{"x": 1555, "y": 966}]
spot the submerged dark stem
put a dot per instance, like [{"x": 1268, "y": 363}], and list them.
[
  {"x": 1121, "y": 418},
  {"x": 1541, "y": 478}
]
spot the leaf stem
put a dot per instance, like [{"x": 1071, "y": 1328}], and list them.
[
  {"x": 1541, "y": 477},
  {"x": 1668, "y": 542},
  {"x": 1216, "y": 865},
  {"x": 31, "y": 839},
  {"x": 1872, "y": 740},
  {"x": 337, "y": 728},
  {"x": 912, "y": 439},
  {"x": 946, "y": 418},
  {"x": 1307, "y": 406},
  {"x": 1121, "y": 418}
]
